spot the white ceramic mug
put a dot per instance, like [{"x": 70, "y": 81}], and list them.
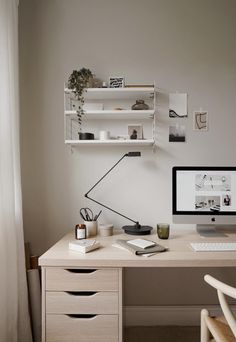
[
  {"x": 104, "y": 135},
  {"x": 91, "y": 228}
]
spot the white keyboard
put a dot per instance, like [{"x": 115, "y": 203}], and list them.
[{"x": 213, "y": 246}]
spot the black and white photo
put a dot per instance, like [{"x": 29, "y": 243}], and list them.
[
  {"x": 135, "y": 132},
  {"x": 116, "y": 82},
  {"x": 206, "y": 203},
  {"x": 226, "y": 200},
  {"x": 177, "y": 133},
  {"x": 178, "y": 105},
  {"x": 211, "y": 182}
]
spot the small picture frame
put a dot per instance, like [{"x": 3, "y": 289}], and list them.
[
  {"x": 200, "y": 121},
  {"x": 178, "y": 104},
  {"x": 116, "y": 82},
  {"x": 177, "y": 133},
  {"x": 135, "y": 132}
]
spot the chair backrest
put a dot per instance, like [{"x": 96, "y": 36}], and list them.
[{"x": 222, "y": 290}]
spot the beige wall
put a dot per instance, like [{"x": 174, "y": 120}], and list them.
[{"x": 183, "y": 45}]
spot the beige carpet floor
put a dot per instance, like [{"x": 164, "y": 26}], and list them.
[{"x": 162, "y": 334}]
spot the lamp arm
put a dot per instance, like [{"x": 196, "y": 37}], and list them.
[
  {"x": 114, "y": 211},
  {"x": 105, "y": 175},
  {"x": 103, "y": 205}
]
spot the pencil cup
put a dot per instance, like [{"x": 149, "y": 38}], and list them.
[
  {"x": 163, "y": 230},
  {"x": 91, "y": 228}
]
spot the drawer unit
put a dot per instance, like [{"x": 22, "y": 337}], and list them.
[
  {"x": 60, "y": 279},
  {"x": 65, "y": 328},
  {"x": 82, "y": 302}
]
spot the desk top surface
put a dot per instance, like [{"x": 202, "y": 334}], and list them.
[{"x": 179, "y": 254}]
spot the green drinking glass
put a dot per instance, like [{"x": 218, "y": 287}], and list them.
[{"x": 163, "y": 230}]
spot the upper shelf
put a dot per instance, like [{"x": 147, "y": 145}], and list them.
[{"x": 116, "y": 93}]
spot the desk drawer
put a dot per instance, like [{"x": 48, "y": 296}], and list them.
[
  {"x": 82, "y": 302},
  {"x": 64, "y": 328},
  {"x": 59, "y": 279}
]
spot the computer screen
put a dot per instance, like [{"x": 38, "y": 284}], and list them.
[{"x": 204, "y": 195}]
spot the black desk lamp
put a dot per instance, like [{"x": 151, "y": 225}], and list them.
[{"x": 135, "y": 229}]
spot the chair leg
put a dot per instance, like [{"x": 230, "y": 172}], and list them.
[{"x": 205, "y": 334}]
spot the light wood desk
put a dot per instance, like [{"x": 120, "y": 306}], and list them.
[{"x": 82, "y": 293}]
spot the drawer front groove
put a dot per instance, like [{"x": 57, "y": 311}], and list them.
[
  {"x": 59, "y": 279},
  {"x": 76, "y": 270},
  {"x": 101, "y": 328},
  {"x": 84, "y": 316},
  {"x": 81, "y": 293},
  {"x": 97, "y": 303}
]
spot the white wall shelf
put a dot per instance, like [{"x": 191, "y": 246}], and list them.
[
  {"x": 116, "y": 93},
  {"x": 115, "y": 114},
  {"x": 110, "y": 109},
  {"x": 112, "y": 142}
]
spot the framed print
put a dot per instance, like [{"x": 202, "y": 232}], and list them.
[
  {"x": 116, "y": 82},
  {"x": 135, "y": 132},
  {"x": 200, "y": 120},
  {"x": 178, "y": 105},
  {"x": 177, "y": 133}
]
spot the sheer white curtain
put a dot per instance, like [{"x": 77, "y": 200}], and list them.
[{"x": 14, "y": 316}]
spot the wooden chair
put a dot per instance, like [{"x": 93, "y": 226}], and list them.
[{"x": 222, "y": 328}]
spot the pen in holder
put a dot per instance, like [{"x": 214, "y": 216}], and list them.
[{"x": 91, "y": 228}]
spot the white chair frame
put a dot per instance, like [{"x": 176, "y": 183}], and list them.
[{"x": 209, "y": 325}]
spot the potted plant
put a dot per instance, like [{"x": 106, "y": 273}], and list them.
[{"x": 77, "y": 82}]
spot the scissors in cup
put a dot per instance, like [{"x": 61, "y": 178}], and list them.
[{"x": 86, "y": 214}]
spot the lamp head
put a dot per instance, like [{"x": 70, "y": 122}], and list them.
[{"x": 133, "y": 154}]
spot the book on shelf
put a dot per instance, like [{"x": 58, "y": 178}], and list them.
[
  {"x": 84, "y": 246},
  {"x": 139, "y": 250}
]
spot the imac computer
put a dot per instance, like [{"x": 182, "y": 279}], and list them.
[{"x": 205, "y": 196}]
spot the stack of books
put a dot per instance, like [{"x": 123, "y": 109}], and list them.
[{"x": 140, "y": 246}]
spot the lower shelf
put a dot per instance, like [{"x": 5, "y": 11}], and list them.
[{"x": 148, "y": 142}]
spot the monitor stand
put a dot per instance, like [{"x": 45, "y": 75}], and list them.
[{"x": 208, "y": 230}]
